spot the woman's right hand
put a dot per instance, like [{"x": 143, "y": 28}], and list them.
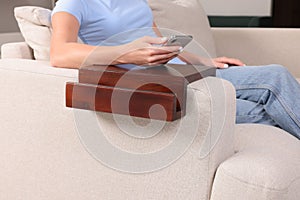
[{"x": 148, "y": 51}]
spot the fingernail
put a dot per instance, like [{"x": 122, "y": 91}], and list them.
[
  {"x": 225, "y": 66},
  {"x": 164, "y": 39},
  {"x": 180, "y": 49}
]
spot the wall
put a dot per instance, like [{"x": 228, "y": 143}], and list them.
[
  {"x": 237, "y": 7},
  {"x": 7, "y": 21},
  {"x": 9, "y": 30}
]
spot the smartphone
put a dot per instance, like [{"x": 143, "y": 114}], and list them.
[{"x": 179, "y": 40}]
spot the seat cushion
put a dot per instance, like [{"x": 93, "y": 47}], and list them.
[
  {"x": 266, "y": 166},
  {"x": 185, "y": 16}
]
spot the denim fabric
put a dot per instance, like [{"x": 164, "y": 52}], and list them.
[{"x": 267, "y": 95}]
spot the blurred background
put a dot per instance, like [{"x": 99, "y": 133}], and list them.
[
  {"x": 9, "y": 31},
  {"x": 253, "y": 13},
  {"x": 221, "y": 13}
]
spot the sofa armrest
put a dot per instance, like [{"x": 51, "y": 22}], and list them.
[
  {"x": 260, "y": 46},
  {"x": 34, "y": 117},
  {"x": 16, "y": 50},
  {"x": 36, "y": 67}
]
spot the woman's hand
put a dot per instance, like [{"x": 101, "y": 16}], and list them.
[
  {"x": 224, "y": 62},
  {"x": 220, "y": 62},
  {"x": 148, "y": 51}
]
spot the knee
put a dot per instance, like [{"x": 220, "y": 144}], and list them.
[{"x": 278, "y": 70}]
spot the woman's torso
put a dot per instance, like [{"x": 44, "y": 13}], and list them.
[{"x": 109, "y": 22}]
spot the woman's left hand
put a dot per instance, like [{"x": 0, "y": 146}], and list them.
[{"x": 224, "y": 62}]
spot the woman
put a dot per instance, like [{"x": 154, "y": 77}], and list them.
[{"x": 265, "y": 94}]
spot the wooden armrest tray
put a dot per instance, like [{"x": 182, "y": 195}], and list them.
[{"x": 133, "y": 92}]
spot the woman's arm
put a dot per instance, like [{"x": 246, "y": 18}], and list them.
[
  {"x": 66, "y": 52},
  {"x": 190, "y": 58},
  {"x": 220, "y": 62}
]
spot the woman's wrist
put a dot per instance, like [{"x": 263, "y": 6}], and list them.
[
  {"x": 190, "y": 58},
  {"x": 122, "y": 52}
]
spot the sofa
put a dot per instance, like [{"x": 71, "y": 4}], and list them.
[{"x": 44, "y": 154}]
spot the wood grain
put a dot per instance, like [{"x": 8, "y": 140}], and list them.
[
  {"x": 133, "y": 92},
  {"x": 122, "y": 101}
]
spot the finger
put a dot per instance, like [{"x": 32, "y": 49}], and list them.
[
  {"x": 161, "y": 61},
  {"x": 155, "y": 40},
  {"x": 235, "y": 62},
  {"x": 165, "y": 50},
  {"x": 164, "y": 61},
  {"x": 221, "y": 65},
  {"x": 161, "y": 57},
  {"x": 177, "y": 49},
  {"x": 230, "y": 61}
]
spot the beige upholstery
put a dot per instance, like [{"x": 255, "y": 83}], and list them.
[
  {"x": 192, "y": 20},
  {"x": 34, "y": 24},
  {"x": 258, "y": 46},
  {"x": 16, "y": 50},
  {"x": 42, "y": 156},
  {"x": 248, "y": 175}
]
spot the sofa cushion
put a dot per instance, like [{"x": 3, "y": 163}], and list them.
[
  {"x": 34, "y": 23},
  {"x": 266, "y": 166},
  {"x": 184, "y": 16},
  {"x": 19, "y": 50}
]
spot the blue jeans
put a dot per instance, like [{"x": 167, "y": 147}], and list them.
[{"x": 266, "y": 95}]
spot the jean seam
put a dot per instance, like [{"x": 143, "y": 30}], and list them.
[
  {"x": 291, "y": 114},
  {"x": 249, "y": 115}
]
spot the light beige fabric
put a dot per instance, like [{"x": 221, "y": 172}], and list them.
[
  {"x": 184, "y": 16},
  {"x": 42, "y": 157},
  {"x": 34, "y": 23},
  {"x": 259, "y": 46},
  {"x": 36, "y": 67},
  {"x": 265, "y": 167},
  {"x": 16, "y": 50}
]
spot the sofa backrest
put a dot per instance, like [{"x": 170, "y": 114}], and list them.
[{"x": 185, "y": 16}]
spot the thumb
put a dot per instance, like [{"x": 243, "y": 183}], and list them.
[{"x": 155, "y": 40}]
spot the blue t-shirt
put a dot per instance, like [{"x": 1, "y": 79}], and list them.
[{"x": 111, "y": 21}]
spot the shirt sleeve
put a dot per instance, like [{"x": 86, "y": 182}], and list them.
[{"x": 73, "y": 7}]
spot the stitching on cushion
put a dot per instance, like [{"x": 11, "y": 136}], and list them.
[
  {"x": 228, "y": 174},
  {"x": 212, "y": 147}
]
